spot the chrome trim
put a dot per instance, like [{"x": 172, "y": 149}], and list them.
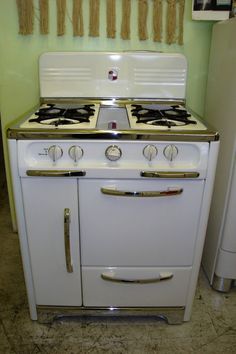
[
  {"x": 141, "y": 194},
  {"x": 222, "y": 284},
  {"x": 172, "y": 315},
  {"x": 108, "y": 101},
  {"x": 110, "y": 277},
  {"x": 132, "y": 134},
  {"x": 55, "y": 173},
  {"x": 167, "y": 174},
  {"x": 69, "y": 266}
]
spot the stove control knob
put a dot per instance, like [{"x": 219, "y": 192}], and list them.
[
  {"x": 55, "y": 152},
  {"x": 170, "y": 152},
  {"x": 150, "y": 152},
  {"x": 113, "y": 153},
  {"x": 75, "y": 153}
]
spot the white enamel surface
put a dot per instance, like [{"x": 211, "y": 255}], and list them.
[
  {"x": 44, "y": 201},
  {"x": 124, "y": 230},
  {"x": 226, "y": 264},
  {"x": 23, "y": 239},
  {"x": 220, "y": 112},
  {"x": 139, "y": 74},
  {"x": 99, "y": 292},
  {"x": 229, "y": 230},
  {"x": 34, "y": 155}
]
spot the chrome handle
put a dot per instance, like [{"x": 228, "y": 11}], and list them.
[
  {"x": 162, "y": 276},
  {"x": 54, "y": 173},
  {"x": 69, "y": 266},
  {"x": 156, "y": 174},
  {"x": 141, "y": 194}
]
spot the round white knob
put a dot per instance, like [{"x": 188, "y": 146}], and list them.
[
  {"x": 113, "y": 153},
  {"x": 150, "y": 152},
  {"x": 170, "y": 152},
  {"x": 75, "y": 153},
  {"x": 55, "y": 152}
]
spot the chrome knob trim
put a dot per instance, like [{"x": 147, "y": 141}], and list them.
[
  {"x": 75, "y": 152},
  {"x": 170, "y": 152},
  {"x": 113, "y": 153},
  {"x": 150, "y": 152},
  {"x": 55, "y": 152}
]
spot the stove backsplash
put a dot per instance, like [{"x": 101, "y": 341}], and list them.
[{"x": 113, "y": 74}]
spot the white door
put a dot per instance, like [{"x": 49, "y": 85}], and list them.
[
  {"x": 139, "y": 231},
  {"x": 51, "y": 213}
]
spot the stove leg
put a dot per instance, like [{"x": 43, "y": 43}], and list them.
[{"x": 221, "y": 284}]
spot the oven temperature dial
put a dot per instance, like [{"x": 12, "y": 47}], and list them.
[
  {"x": 55, "y": 152},
  {"x": 170, "y": 152},
  {"x": 113, "y": 153},
  {"x": 75, "y": 153},
  {"x": 150, "y": 152}
]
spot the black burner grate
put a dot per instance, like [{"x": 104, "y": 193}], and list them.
[
  {"x": 56, "y": 115},
  {"x": 154, "y": 115}
]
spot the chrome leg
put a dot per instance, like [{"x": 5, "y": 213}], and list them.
[{"x": 221, "y": 284}]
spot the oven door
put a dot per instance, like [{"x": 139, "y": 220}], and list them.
[
  {"x": 139, "y": 222},
  {"x": 137, "y": 241}
]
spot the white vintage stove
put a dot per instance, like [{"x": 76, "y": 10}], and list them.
[{"x": 112, "y": 181}]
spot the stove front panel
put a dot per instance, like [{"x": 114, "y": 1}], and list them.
[{"x": 37, "y": 155}]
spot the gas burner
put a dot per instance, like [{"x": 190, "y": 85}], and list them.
[
  {"x": 171, "y": 116},
  {"x": 175, "y": 112},
  {"x": 141, "y": 112},
  {"x": 57, "y": 116},
  {"x": 50, "y": 111},
  {"x": 163, "y": 123}
]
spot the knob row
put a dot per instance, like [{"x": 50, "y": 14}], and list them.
[
  {"x": 170, "y": 152},
  {"x": 55, "y": 152},
  {"x": 112, "y": 153}
]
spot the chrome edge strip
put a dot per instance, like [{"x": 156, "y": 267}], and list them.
[
  {"x": 172, "y": 315},
  {"x": 95, "y": 134}
]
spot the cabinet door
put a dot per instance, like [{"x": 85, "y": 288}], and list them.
[{"x": 51, "y": 213}]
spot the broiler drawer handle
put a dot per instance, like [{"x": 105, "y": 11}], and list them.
[
  {"x": 141, "y": 194},
  {"x": 69, "y": 266},
  {"x": 162, "y": 276}
]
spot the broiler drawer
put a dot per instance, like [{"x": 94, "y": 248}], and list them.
[{"x": 135, "y": 287}]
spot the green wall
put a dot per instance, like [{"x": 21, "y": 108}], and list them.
[{"x": 19, "y": 56}]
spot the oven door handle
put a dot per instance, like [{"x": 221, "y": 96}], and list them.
[
  {"x": 69, "y": 266},
  {"x": 142, "y": 194},
  {"x": 55, "y": 173},
  {"x": 113, "y": 278},
  {"x": 157, "y": 174}
]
